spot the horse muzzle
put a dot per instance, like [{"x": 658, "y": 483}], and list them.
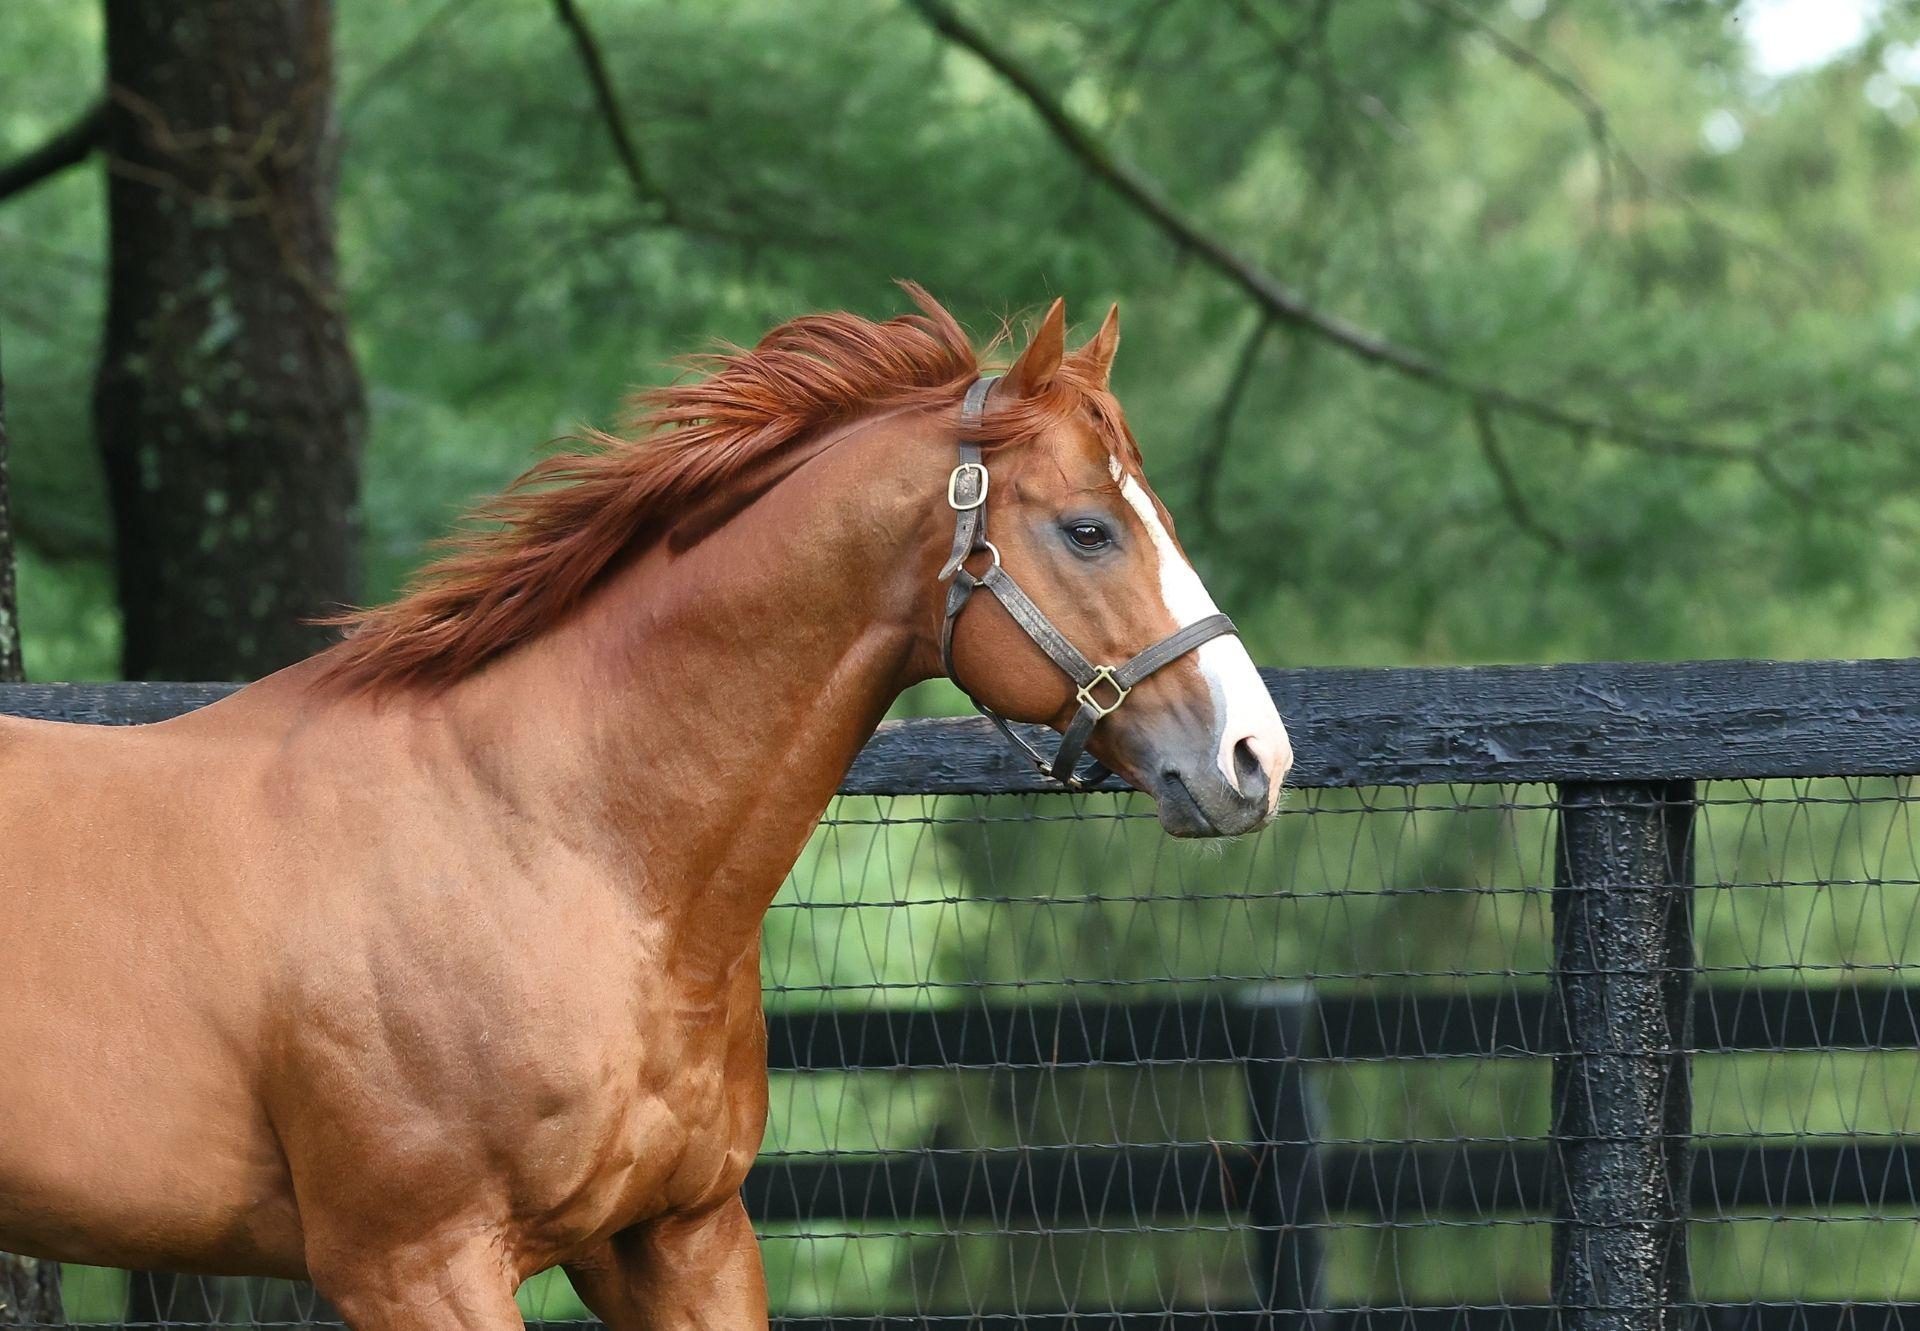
[{"x": 1195, "y": 798}]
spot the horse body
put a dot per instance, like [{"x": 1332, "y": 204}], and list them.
[
  {"x": 498, "y": 954},
  {"x": 420, "y": 992}
]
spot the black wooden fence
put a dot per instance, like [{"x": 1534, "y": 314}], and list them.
[{"x": 1620, "y": 1014}]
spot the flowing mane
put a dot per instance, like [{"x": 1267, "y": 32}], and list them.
[{"x": 526, "y": 558}]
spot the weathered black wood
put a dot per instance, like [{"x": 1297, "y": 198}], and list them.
[
  {"x": 1006, "y": 1188},
  {"x": 1765, "y": 1180},
  {"x": 1401, "y": 1184},
  {"x": 108, "y": 704},
  {"x": 1503, "y": 1023},
  {"x": 1468, "y": 1180},
  {"x": 1489, "y": 1317},
  {"x": 1678, "y": 973},
  {"x": 1287, "y": 1200},
  {"x": 1601, "y": 722},
  {"x": 1443, "y": 1181},
  {"x": 1619, "y": 1240},
  {"x": 1869, "y": 1015},
  {"x": 1214, "y": 1029}
]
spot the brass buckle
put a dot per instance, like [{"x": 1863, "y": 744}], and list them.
[
  {"x": 1102, "y": 675},
  {"x": 953, "y": 487}
]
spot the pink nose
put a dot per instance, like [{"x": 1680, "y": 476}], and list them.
[{"x": 1261, "y": 762}]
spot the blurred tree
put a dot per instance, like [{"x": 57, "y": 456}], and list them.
[
  {"x": 29, "y": 1292},
  {"x": 228, "y": 409}
]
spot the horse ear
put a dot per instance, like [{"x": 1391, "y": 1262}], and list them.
[
  {"x": 1035, "y": 368},
  {"x": 1098, "y": 352}
]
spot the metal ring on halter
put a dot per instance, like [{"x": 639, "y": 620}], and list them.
[{"x": 993, "y": 550}]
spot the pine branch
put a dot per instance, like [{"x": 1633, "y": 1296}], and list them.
[{"x": 1282, "y": 302}]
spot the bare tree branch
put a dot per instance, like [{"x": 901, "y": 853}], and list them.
[
  {"x": 644, "y": 185},
  {"x": 1281, "y": 301},
  {"x": 1606, "y": 148},
  {"x": 1220, "y": 425},
  {"x": 404, "y": 55},
  {"x": 1510, "y": 493},
  {"x": 58, "y": 539},
  {"x": 70, "y": 147}
]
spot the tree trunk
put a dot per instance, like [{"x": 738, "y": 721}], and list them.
[
  {"x": 228, "y": 409},
  {"x": 29, "y": 1288},
  {"x": 29, "y": 1292}
]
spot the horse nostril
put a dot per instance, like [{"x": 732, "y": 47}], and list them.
[{"x": 1249, "y": 772}]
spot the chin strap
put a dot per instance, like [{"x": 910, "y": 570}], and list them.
[{"x": 1100, "y": 689}]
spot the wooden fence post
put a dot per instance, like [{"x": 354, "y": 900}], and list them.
[
  {"x": 1622, "y": 1107},
  {"x": 1288, "y": 1204}
]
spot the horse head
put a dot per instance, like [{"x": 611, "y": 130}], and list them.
[{"x": 1096, "y": 622}]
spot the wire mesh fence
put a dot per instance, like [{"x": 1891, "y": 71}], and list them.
[
  {"x": 1414, "y": 1056},
  {"x": 1011, "y": 1154}
]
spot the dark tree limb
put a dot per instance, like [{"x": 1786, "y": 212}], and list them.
[
  {"x": 1284, "y": 303},
  {"x": 408, "y": 51},
  {"x": 1220, "y": 425},
  {"x": 644, "y": 185},
  {"x": 59, "y": 539},
  {"x": 70, "y": 147},
  {"x": 1607, "y": 148},
  {"x": 1488, "y": 436}
]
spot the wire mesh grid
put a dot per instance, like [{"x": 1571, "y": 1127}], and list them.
[{"x": 1031, "y": 1057}]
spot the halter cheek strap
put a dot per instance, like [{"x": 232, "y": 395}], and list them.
[{"x": 1100, "y": 689}]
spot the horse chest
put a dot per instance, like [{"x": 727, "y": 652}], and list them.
[{"x": 666, "y": 1120}]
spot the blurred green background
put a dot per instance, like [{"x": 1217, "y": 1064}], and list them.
[
  {"x": 1690, "y": 227},
  {"x": 1630, "y": 209}
]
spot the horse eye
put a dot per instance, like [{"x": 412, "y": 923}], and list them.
[{"x": 1089, "y": 535}]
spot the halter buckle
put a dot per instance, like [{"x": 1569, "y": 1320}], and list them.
[
  {"x": 1102, "y": 675},
  {"x": 966, "y": 471}
]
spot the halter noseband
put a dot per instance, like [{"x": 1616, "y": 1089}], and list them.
[{"x": 1100, "y": 689}]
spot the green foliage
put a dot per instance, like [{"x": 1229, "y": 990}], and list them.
[{"x": 1389, "y": 158}]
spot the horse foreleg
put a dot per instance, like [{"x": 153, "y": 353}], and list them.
[
  {"x": 698, "y": 1273},
  {"x": 457, "y": 1285}
]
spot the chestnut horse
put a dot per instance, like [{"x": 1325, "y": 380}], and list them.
[{"x": 433, "y": 961}]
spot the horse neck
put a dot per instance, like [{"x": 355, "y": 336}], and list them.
[{"x": 699, "y": 711}]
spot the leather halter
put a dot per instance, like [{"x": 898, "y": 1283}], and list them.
[{"x": 1100, "y": 689}]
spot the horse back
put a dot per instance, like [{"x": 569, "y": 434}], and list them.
[{"x": 131, "y": 987}]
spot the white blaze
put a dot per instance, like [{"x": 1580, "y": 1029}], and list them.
[{"x": 1241, "y": 702}]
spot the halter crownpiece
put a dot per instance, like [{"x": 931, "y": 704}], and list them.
[{"x": 1100, "y": 689}]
